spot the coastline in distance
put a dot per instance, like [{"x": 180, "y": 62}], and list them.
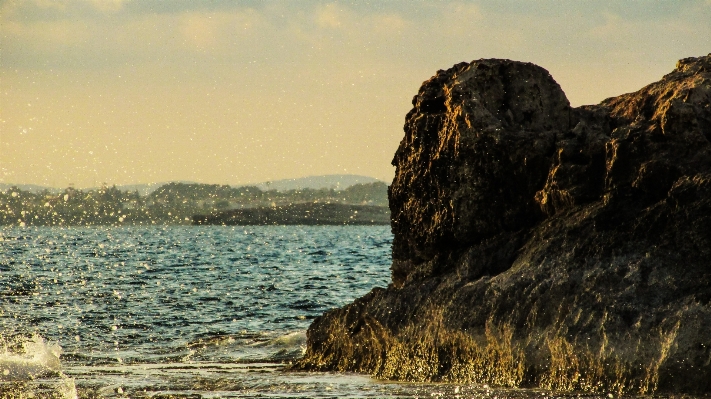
[{"x": 315, "y": 213}]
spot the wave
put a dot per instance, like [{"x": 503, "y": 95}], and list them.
[
  {"x": 288, "y": 347},
  {"x": 37, "y": 359},
  {"x": 33, "y": 359},
  {"x": 248, "y": 347}
]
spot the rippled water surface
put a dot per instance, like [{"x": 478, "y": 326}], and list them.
[
  {"x": 185, "y": 312},
  {"x": 178, "y": 309}
]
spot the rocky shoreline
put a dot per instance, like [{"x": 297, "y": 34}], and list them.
[
  {"x": 312, "y": 213},
  {"x": 539, "y": 245}
]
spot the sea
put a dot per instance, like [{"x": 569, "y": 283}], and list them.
[{"x": 186, "y": 311}]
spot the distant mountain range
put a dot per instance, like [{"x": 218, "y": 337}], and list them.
[{"x": 337, "y": 182}]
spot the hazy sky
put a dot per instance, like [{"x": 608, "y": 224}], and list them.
[{"x": 233, "y": 92}]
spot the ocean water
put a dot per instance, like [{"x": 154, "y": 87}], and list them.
[{"x": 185, "y": 312}]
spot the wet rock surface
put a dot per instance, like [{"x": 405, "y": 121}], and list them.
[{"x": 539, "y": 245}]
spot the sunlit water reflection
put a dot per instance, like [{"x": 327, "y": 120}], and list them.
[{"x": 198, "y": 312}]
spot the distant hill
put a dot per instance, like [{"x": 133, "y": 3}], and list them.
[
  {"x": 32, "y": 188},
  {"x": 336, "y": 182},
  {"x": 143, "y": 189},
  {"x": 177, "y": 203}
]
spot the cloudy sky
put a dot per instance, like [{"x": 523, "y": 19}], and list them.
[{"x": 235, "y": 92}]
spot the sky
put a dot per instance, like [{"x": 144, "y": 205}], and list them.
[{"x": 238, "y": 92}]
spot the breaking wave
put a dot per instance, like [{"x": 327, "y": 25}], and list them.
[{"x": 34, "y": 361}]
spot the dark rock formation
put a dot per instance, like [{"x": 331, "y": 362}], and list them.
[
  {"x": 314, "y": 213},
  {"x": 537, "y": 244}
]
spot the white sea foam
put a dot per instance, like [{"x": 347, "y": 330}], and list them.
[
  {"x": 37, "y": 359},
  {"x": 293, "y": 339},
  {"x": 287, "y": 347}
]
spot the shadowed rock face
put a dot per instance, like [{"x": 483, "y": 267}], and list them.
[
  {"x": 476, "y": 149},
  {"x": 537, "y": 244}
]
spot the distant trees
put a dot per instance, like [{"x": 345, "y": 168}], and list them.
[
  {"x": 172, "y": 203},
  {"x": 372, "y": 194}
]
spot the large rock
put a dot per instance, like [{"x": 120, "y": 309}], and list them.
[{"x": 537, "y": 244}]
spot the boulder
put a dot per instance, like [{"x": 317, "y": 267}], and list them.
[{"x": 539, "y": 245}]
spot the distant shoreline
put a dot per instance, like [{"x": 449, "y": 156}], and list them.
[
  {"x": 334, "y": 181},
  {"x": 178, "y": 203},
  {"x": 299, "y": 214}
]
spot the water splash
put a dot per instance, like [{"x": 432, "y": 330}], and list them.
[{"x": 36, "y": 359}]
